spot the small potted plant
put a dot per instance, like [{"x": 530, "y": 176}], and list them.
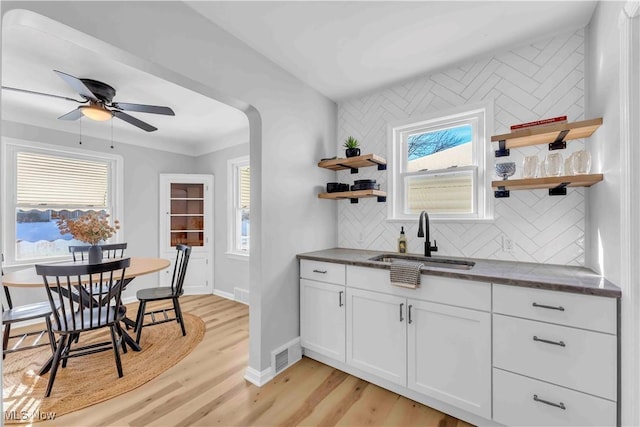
[{"x": 351, "y": 144}]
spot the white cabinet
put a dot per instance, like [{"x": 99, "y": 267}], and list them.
[
  {"x": 376, "y": 334},
  {"x": 186, "y": 217},
  {"x": 435, "y": 340},
  {"x": 449, "y": 355},
  {"x": 322, "y": 318},
  {"x": 554, "y": 357},
  {"x": 322, "y": 308}
]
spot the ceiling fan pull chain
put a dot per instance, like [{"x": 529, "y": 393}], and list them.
[
  {"x": 80, "y": 121},
  {"x": 112, "y": 134}
]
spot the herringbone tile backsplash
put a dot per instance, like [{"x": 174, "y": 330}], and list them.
[{"x": 541, "y": 80}]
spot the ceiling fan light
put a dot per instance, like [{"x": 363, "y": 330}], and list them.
[{"x": 96, "y": 113}]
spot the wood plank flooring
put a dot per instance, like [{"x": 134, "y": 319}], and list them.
[{"x": 208, "y": 388}]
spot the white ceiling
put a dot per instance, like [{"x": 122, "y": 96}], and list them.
[
  {"x": 347, "y": 48},
  {"x": 29, "y": 57},
  {"x": 339, "y": 48}
]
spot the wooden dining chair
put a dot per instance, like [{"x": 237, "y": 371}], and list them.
[
  {"x": 109, "y": 251},
  {"x": 71, "y": 288},
  {"x": 16, "y": 314},
  {"x": 165, "y": 293}
]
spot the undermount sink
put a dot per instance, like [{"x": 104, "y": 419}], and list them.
[{"x": 456, "y": 264}]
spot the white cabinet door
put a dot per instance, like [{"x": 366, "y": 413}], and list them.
[
  {"x": 186, "y": 217},
  {"x": 196, "y": 281},
  {"x": 449, "y": 355},
  {"x": 322, "y": 318},
  {"x": 377, "y": 335}
]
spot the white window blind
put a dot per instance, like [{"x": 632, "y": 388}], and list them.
[
  {"x": 450, "y": 192},
  {"x": 44, "y": 180},
  {"x": 245, "y": 187}
]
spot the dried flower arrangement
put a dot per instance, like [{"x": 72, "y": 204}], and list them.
[{"x": 90, "y": 228}]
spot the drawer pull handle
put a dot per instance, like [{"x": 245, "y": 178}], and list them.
[
  {"x": 320, "y": 271},
  {"x": 546, "y": 402},
  {"x": 550, "y": 307},
  {"x": 401, "y": 307},
  {"x": 340, "y": 298},
  {"x": 560, "y": 343}
]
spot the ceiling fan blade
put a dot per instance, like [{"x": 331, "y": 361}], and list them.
[
  {"x": 77, "y": 85},
  {"x": 154, "y": 109},
  {"x": 132, "y": 120},
  {"x": 72, "y": 115},
  {"x": 33, "y": 92}
]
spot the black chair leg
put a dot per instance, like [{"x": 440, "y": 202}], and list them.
[
  {"x": 54, "y": 365},
  {"x": 116, "y": 352},
  {"x": 52, "y": 338},
  {"x": 121, "y": 336},
  {"x": 140, "y": 320},
  {"x": 5, "y": 338},
  {"x": 70, "y": 339},
  {"x": 178, "y": 310}
]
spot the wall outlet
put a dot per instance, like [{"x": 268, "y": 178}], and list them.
[{"x": 508, "y": 244}]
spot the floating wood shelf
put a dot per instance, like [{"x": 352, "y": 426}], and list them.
[
  {"x": 554, "y": 135},
  {"x": 556, "y": 184},
  {"x": 354, "y": 163},
  {"x": 355, "y": 195}
]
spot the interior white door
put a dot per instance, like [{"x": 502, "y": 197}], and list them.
[{"x": 377, "y": 335}]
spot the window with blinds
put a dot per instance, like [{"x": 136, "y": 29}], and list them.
[
  {"x": 239, "y": 211},
  {"x": 439, "y": 166},
  {"x": 48, "y": 187},
  {"x": 44, "y": 180}
]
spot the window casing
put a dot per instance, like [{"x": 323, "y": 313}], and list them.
[
  {"x": 439, "y": 164},
  {"x": 239, "y": 178},
  {"x": 43, "y": 182}
]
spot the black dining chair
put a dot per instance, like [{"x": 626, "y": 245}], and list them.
[
  {"x": 109, "y": 250},
  {"x": 164, "y": 293},
  {"x": 71, "y": 288},
  {"x": 15, "y": 314}
]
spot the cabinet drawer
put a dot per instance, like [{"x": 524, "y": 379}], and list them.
[
  {"x": 514, "y": 404},
  {"x": 574, "y": 358},
  {"x": 445, "y": 290},
  {"x": 582, "y": 311},
  {"x": 322, "y": 271}
]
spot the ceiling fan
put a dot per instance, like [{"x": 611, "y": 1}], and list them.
[{"x": 99, "y": 97}]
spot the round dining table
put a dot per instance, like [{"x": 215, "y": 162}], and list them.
[{"x": 28, "y": 278}]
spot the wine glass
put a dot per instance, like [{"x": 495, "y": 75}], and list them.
[{"x": 505, "y": 170}]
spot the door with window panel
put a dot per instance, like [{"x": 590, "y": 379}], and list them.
[{"x": 186, "y": 218}]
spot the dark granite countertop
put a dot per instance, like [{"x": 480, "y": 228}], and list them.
[{"x": 542, "y": 276}]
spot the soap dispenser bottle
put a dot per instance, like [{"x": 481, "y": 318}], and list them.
[{"x": 402, "y": 242}]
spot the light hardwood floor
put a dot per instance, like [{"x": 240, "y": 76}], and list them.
[{"x": 208, "y": 388}]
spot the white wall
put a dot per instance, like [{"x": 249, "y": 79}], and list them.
[
  {"x": 613, "y": 52},
  {"x": 291, "y": 127},
  {"x": 539, "y": 80},
  {"x": 230, "y": 272},
  {"x": 141, "y": 169}
]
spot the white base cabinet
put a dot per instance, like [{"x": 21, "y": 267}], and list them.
[
  {"x": 487, "y": 354},
  {"x": 322, "y": 318},
  {"x": 449, "y": 355},
  {"x": 376, "y": 334}
]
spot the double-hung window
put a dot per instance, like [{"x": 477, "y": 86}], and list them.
[
  {"x": 439, "y": 166},
  {"x": 239, "y": 176},
  {"x": 43, "y": 184}
]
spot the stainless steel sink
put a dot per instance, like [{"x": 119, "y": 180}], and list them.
[{"x": 456, "y": 264}]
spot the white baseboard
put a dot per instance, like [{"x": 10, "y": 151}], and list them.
[
  {"x": 240, "y": 297},
  {"x": 258, "y": 378},
  {"x": 223, "y": 294}
]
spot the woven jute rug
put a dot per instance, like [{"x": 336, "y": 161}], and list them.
[{"x": 91, "y": 379}]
